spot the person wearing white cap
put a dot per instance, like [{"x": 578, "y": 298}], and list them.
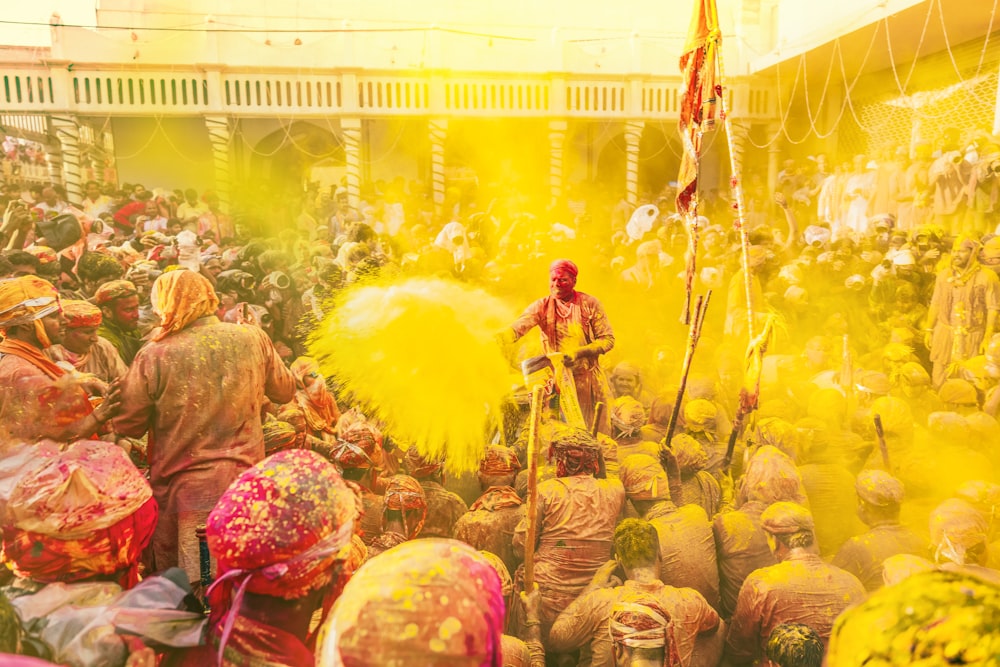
[
  {"x": 879, "y": 498},
  {"x": 801, "y": 588}
]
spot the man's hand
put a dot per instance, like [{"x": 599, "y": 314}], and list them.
[
  {"x": 95, "y": 386},
  {"x": 532, "y": 602},
  {"x": 15, "y": 217},
  {"x": 779, "y": 199},
  {"x": 110, "y": 406}
]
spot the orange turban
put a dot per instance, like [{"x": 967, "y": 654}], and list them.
[
  {"x": 114, "y": 290},
  {"x": 179, "y": 298},
  {"x": 403, "y": 493},
  {"x": 81, "y": 314},
  {"x": 25, "y": 300}
]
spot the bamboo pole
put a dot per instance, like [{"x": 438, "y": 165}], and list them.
[
  {"x": 716, "y": 35},
  {"x": 531, "y": 510}
]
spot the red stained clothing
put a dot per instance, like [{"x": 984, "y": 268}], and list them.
[
  {"x": 800, "y": 589},
  {"x": 102, "y": 361},
  {"x": 251, "y": 643},
  {"x": 687, "y": 548},
  {"x": 585, "y": 622},
  {"x": 576, "y": 524},
  {"x": 35, "y": 406},
  {"x": 561, "y": 326},
  {"x": 198, "y": 393}
]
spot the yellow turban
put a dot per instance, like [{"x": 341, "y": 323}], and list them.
[
  {"x": 25, "y": 300},
  {"x": 179, "y": 298}
]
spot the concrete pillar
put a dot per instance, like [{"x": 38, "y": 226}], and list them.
[
  {"x": 557, "y": 141},
  {"x": 438, "y": 128},
  {"x": 633, "y": 133},
  {"x": 67, "y": 131},
  {"x": 220, "y": 134},
  {"x": 350, "y": 130}
]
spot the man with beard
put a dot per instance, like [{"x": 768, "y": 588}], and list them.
[
  {"x": 963, "y": 309},
  {"x": 575, "y": 324}
]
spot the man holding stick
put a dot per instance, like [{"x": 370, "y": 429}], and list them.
[
  {"x": 575, "y": 515},
  {"x": 576, "y": 325}
]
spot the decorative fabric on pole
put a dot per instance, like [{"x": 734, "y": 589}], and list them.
[{"x": 698, "y": 99}]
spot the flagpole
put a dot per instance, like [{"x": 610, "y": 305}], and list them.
[{"x": 715, "y": 37}]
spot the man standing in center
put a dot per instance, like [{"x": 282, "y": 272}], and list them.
[
  {"x": 197, "y": 388},
  {"x": 575, "y": 324}
]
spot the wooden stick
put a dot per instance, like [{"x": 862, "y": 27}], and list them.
[
  {"x": 531, "y": 510},
  {"x": 694, "y": 334},
  {"x": 599, "y": 410},
  {"x": 716, "y": 34},
  {"x": 883, "y": 447}
]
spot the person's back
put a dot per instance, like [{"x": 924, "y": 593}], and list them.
[
  {"x": 801, "y": 588},
  {"x": 199, "y": 392},
  {"x": 741, "y": 548},
  {"x": 577, "y": 514},
  {"x": 828, "y": 487},
  {"x": 489, "y": 524},
  {"x": 197, "y": 388},
  {"x": 444, "y": 509},
  {"x": 687, "y": 548}
]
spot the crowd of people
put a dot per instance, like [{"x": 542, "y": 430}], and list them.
[{"x": 180, "y": 484}]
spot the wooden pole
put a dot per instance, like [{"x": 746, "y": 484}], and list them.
[
  {"x": 531, "y": 510},
  {"x": 716, "y": 35},
  {"x": 694, "y": 334}
]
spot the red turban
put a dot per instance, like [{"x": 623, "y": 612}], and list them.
[
  {"x": 403, "y": 493},
  {"x": 360, "y": 446},
  {"x": 278, "y": 530},
  {"x": 499, "y": 461},
  {"x": 83, "y": 513},
  {"x": 81, "y": 314},
  {"x": 419, "y": 466},
  {"x": 564, "y": 265}
]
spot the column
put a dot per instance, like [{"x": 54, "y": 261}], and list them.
[
  {"x": 773, "y": 156},
  {"x": 220, "y": 135},
  {"x": 350, "y": 131},
  {"x": 55, "y": 165},
  {"x": 67, "y": 131},
  {"x": 438, "y": 128},
  {"x": 633, "y": 133},
  {"x": 557, "y": 141}
]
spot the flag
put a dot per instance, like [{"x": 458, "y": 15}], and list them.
[{"x": 698, "y": 98}]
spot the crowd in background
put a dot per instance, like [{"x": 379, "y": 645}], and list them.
[{"x": 166, "y": 440}]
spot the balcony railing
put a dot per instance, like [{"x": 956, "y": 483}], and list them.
[{"x": 111, "y": 90}]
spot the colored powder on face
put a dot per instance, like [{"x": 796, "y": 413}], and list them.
[{"x": 421, "y": 357}]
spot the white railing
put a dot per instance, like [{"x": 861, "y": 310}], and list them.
[{"x": 119, "y": 91}]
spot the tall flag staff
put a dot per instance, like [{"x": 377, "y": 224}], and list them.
[{"x": 704, "y": 76}]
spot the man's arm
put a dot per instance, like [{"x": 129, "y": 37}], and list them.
[
  {"x": 529, "y": 319},
  {"x": 576, "y": 624},
  {"x": 137, "y": 398},
  {"x": 279, "y": 383},
  {"x": 743, "y": 641}
]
